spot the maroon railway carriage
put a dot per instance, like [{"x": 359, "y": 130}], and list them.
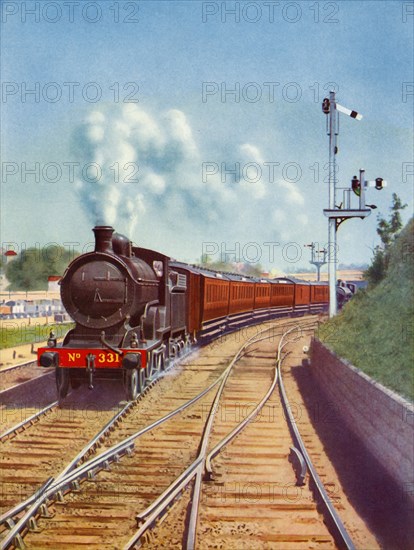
[
  {"x": 134, "y": 309},
  {"x": 208, "y": 296},
  {"x": 262, "y": 294},
  {"x": 262, "y": 300},
  {"x": 302, "y": 296},
  {"x": 299, "y": 294},
  {"x": 319, "y": 296},
  {"x": 282, "y": 295},
  {"x": 225, "y": 301},
  {"x": 215, "y": 295},
  {"x": 305, "y": 296}
]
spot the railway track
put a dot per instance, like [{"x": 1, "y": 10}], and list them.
[
  {"x": 25, "y": 392},
  {"x": 52, "y": 434},
  {"x": 27, "y": 422},
  {"x": 102, "y": 513},
  {"x": 15, "y": 375},
  {"x": 18, "y": 366},
  {"x": 253, "y": 498}
]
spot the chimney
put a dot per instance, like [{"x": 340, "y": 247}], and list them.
[{"x": 103, "y": 238}]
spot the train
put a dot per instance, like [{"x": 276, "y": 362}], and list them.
[{"x": 135, "y": 309}]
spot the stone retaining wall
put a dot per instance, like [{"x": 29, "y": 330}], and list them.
[{"x": 383, "y": 420}]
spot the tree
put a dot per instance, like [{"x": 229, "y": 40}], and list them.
[
  {"x": 375, "y": 273},
  {"x": 388, "y": 232},
  {"x": 31, "y": 269}
]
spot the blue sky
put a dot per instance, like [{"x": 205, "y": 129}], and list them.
[{"x": 163, "y": 197}]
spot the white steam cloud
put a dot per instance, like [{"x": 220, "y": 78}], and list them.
[
  {"x": 151, "y": 180},
  {"x": 132, "y": 159}
]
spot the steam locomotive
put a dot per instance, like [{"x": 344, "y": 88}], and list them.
[{"x": 135, "y": 309}]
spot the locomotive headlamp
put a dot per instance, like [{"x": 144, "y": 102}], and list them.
[
  {"x": 131, "y": 361},
  {"x": 49, "y": 359}
]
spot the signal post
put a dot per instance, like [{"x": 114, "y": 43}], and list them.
[{"x": 338, "y": 214}]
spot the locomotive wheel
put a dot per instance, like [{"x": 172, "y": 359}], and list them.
[
  {"x": 62, "y": 382},
  {"x": 134, "y": 383}
]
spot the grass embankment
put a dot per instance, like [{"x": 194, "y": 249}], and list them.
[
  {"x": 375, "y": 330},
  {"x": 11, "y": 336}
]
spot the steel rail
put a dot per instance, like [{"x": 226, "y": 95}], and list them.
[
  {"x": 108, "y": 426},
  {"x": 35, "y": 496},
  {"x": 18, "y": 366},
  {"x": 28, "y": 420},
  {"x": 87, "y": 469},
  {"x": 248, "y": 418},
  {"x": 75, "y": 462},
  {"x": 71, "y": 474},
  {"x": 214, "y": 452},
  {"x": 195, "y": 503},
  {"x": 156, "y": 508},
  {"x": 14, "y": 535},
  {"x": 196, "y": 469},
  {"x": 199, "y": 466},
  {"x": 339, "y": 531}
]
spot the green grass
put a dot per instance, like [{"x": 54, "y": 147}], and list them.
[
  {"x": 375, "y": 330},
  {"x": 36, "y": 332}
]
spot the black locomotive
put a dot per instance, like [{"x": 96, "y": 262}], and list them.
[
  {"x": 135, "y": 309},
  {"x": 128, "y": 305}
]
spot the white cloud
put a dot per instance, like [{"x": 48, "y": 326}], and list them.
[{"x": 292, "y": 194}]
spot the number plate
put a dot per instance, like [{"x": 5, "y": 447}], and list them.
[{"x": 77, "y": 358}]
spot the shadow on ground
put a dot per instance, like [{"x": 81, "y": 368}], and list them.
[
  {"x": 40, "y": 392},
  {"x": 378, "y": 500}
]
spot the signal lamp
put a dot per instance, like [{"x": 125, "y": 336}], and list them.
[{"x": 356, "y": 186}]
